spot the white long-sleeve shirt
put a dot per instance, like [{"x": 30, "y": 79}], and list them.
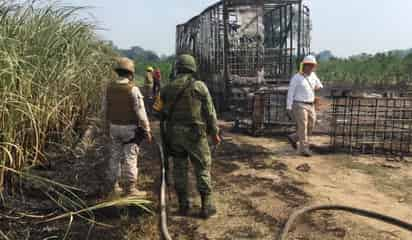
[
  {"x": 138, "y": 106},
  {"x": 302, "y": 89}
]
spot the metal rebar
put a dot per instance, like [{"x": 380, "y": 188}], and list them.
[
  {"x": 225, "y": 50},
  {"x": 372, "y": 125}
]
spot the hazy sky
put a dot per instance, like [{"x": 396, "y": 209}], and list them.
[{"x": 344, "y": 27}]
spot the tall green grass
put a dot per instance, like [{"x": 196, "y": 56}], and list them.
[{"x": 52, "y": 67}]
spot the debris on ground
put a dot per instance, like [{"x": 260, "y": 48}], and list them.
[
  {"x": 304, "y": 168},
  {"x": 391, "y": 165},
  {"x": 256, "y": 191}
]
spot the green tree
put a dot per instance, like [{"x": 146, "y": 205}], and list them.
[{"x": 362, "y": 70}]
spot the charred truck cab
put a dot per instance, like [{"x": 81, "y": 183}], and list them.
[{"x": 247, "y": 51}]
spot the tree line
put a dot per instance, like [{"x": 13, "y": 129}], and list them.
[
  {"x": 382, "y": 69},
  {"x": 145, "y": 58},
  {"x": 393, "y": 68}
]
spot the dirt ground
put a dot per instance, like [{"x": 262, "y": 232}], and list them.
[
  {"x": 258, "y": 186},
  {"x": 258, "y": 183}
]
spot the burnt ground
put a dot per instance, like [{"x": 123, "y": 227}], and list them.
[{"x": 258, "y": 183}]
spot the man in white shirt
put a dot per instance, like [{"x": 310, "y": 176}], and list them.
[{"x": 300, "y": 103}]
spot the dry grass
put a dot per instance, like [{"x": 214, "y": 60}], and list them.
[
  {"x": 52, "y": 72},
  {"x": 52, "y": 67}
]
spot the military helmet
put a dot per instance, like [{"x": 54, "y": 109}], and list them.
[
  {"x": 186, "y": 61},
  {"x": 125, "y": 64}
]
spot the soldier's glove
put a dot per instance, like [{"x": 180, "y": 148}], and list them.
[
  {"x": 106, "y": 130},
  {"x": 149, "y": 137},
  {"x": 289, "y": 114},
  {"x": 140, "y": 134},
  {"x": 217, "y": 139}
]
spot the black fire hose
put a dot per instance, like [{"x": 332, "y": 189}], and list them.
[
  {"x": 356, "y": 211},
  {"x": 163, "y": 199},
  {"x": 283, "y": 236}
]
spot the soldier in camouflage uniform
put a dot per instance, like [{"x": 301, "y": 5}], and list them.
[
  {"x": 189, "y": 116},
  {"x": 124, "y": 112},
  {"x": 148, "y": 89}
]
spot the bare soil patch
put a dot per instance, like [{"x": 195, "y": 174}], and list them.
[{"x": 258, "y": 184}]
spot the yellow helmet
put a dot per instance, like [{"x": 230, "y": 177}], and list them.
[
  {"x": 125, "y": 63},
  {"x": 149, "y": 69}
]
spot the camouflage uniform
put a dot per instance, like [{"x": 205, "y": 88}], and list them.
[
  {"x": 148, "y": 90},
  {"x": 148, "y": 84},
  {"x": 124, "y": 111},
  {"x": 193, "y": 119}
]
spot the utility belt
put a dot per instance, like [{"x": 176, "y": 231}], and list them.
[
  {"x": 191, "y": 129},
  {"x": 307, "y": 103},
  {"x": 140, "y": 134}
]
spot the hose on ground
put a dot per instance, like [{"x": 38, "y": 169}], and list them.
[
  {"x": 163, "y": 199},
  {"x": 284, "y": 234},
  {"x": 357, "y": 211}
]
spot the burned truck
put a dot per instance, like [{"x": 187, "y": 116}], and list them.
[{"x": 247, "y": 50}]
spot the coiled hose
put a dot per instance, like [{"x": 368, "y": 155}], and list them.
[
  {"x": 356, "y": 211},
  {"x": 163, "y": 199}
]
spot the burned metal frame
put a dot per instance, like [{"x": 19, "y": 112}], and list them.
[
  {"x": 203, "y": 37},
  {"x": 247, "y": 51},
  {"x": 247, "y": 48},
  {"x": 376, "y": 125}
]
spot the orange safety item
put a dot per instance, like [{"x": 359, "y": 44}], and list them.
[{"x": 158, "y": 104}]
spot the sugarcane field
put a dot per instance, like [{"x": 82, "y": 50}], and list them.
[{"x": 205, "y": 120}]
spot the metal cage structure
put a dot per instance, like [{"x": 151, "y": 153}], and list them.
[
  {"x": 247, "y": 51},
  {"x": 372, "y": 125}
]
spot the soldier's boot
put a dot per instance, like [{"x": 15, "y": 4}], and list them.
[
  {"x": 130, "y": 190},
  {"x": 304, "y": 150},
  {"x": 208, "y": 208},
  {"x": 307, "y": 152},
  {"x": 116, "y": 191},
  {"x": 184, "y": 204}
]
